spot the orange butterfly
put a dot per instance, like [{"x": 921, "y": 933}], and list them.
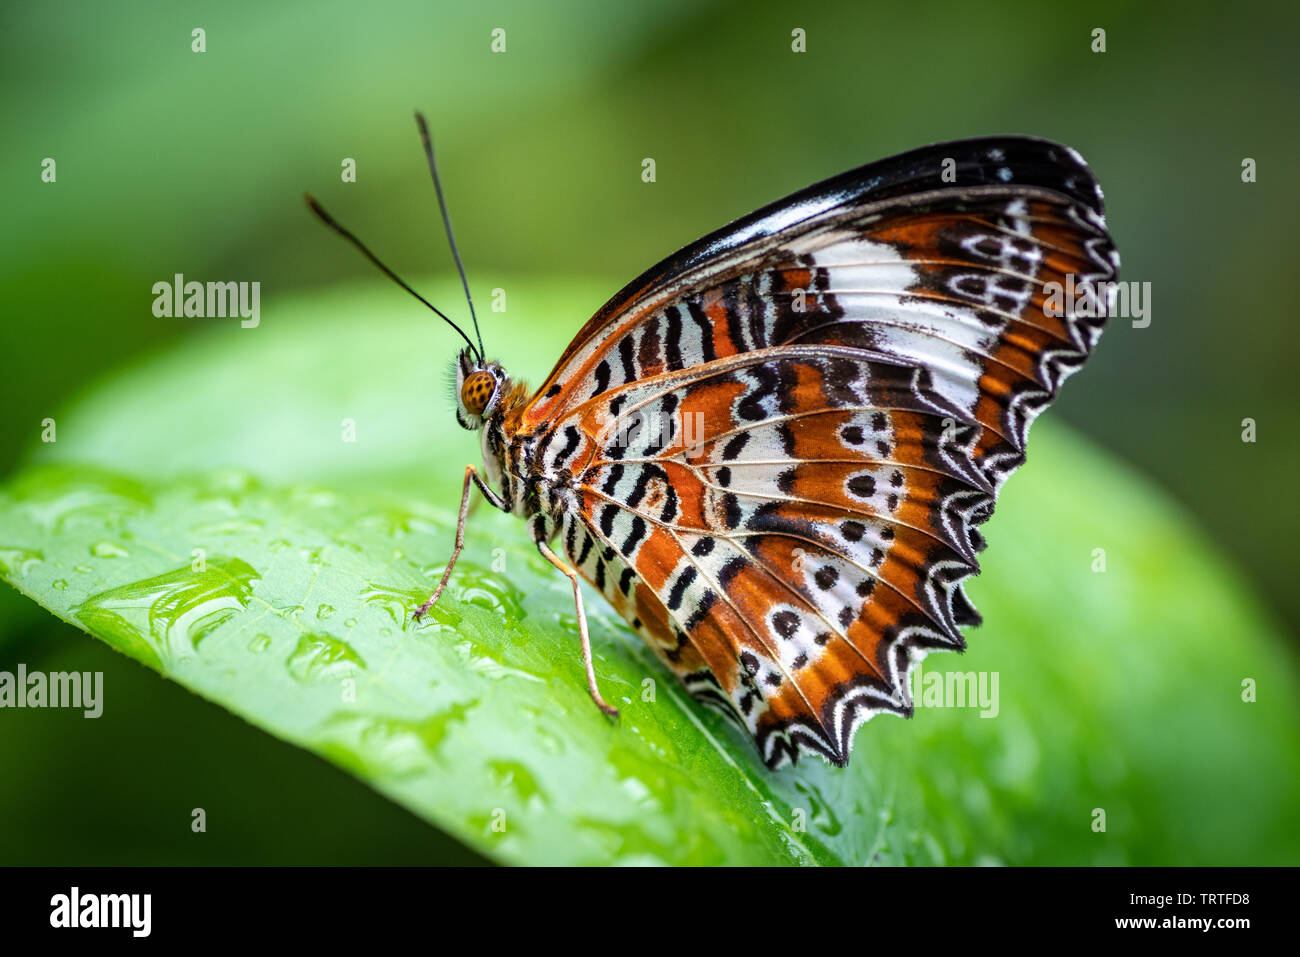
[{"x": 770, "y": 452}]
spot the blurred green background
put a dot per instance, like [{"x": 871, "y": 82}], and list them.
[{"x": 172, "y": 161}]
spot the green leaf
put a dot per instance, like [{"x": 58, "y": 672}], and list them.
[{"x": 1119, "y": 690}]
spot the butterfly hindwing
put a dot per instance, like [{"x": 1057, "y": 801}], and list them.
[
  {"x": 794, "y": 565},
  {"x": 778, "y": 444}
]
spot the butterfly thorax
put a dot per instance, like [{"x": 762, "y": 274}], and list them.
[{"x": 512, "y": 464}]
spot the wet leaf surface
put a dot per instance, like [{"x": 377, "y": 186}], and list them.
[{"x": 201, "y": 515}]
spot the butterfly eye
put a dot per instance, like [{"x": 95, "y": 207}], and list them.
[{"x": 476, "y": 391}]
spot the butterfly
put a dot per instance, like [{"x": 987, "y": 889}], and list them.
[{"x": 771, "y": 452}]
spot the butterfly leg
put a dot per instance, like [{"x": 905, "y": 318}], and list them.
[
  {"x": 555, "y": 560},
  {"x": 471, "y": 478}
]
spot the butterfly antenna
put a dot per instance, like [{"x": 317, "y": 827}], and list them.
[
  {"x": 446, "y": 220},
  {"x": 329, "y": 221}
]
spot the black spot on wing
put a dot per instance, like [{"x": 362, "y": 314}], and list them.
[
  {"x": 678, "y": 591},
  {"x": 602, "y": 378},
  {"x": 634, "y": 537},
  {"x": 571, "y": 439},
  {"x": 751, "y": 407},
  {"x": 625, "y": 355},
  {"x": 735, "y": 445},
  {"x": 701, "y": 319},
  {"x": 673, "y": 339}
]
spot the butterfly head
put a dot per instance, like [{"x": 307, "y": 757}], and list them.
[{"x": 480, "y": 385}]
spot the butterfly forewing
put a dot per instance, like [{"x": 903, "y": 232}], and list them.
[{"x": 780, "y": 441}]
